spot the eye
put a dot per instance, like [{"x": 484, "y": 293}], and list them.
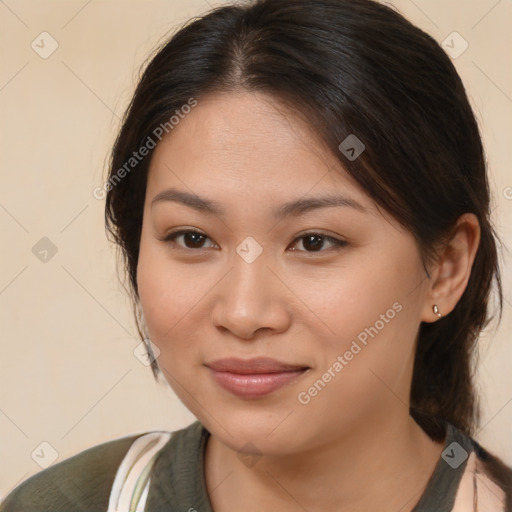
[
  {"x": 191, "y": 239},
  {"x": 314, "y": 242}
]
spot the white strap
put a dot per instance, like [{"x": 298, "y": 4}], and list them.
[
  {"x": 142, "y": 503},
  {"x": 134, "y": 471}
]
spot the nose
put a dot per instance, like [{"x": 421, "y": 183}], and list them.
[{"x": 251, "y": 301}]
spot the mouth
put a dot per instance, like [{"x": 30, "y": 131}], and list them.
[{"x": 254, "y": 378}]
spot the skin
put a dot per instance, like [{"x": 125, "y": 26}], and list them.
[{"x": 353, "y": 447}]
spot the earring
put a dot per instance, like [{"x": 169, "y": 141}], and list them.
[{"x": 436, "y": 311}]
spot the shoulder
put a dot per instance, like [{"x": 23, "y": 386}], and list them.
[
  {"x": 497, "y": 472},
  {"x": 485, "y": 478},
  {"x": 80, "y": 483}
]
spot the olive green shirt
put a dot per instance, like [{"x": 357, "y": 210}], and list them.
[{"x": 82, "y": 483}]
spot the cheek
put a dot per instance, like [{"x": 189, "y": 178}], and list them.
[
  {"x": 364, "y": 369},
  {"x": 173, "y": 300},
  {"x": 372, "y": 314},
  {"x": 352, "y": 299},
  {"x": 163, "y": 292}
]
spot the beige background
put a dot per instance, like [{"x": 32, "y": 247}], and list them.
[{"x": 68, "y": 373}]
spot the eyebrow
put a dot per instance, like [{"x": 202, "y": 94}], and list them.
[{"x": 295, "y": 207}]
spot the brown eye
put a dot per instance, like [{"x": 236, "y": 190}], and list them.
[
  {"x": 314, "y": 242},
  {"x": 191, "y": 239}
]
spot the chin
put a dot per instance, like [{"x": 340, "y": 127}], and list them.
[{"x": 264, "y": 430}]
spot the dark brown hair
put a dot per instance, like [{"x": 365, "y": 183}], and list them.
[{"x": 347, "y": 67}]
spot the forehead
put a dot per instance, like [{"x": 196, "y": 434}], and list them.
[{"x": 251, "y": 144}]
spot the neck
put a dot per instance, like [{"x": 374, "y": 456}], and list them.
[{"x": 383, "y": 464}]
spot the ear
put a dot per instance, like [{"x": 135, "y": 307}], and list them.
[{"x": 450, "y": 274}]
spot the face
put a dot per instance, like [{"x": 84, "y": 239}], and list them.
[{"x": 329, "y": 293}]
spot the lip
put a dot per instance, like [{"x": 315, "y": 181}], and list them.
[{"x": 253, "y": 378}]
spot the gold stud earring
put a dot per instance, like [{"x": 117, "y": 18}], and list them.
[{"x": 436, "y": 311}]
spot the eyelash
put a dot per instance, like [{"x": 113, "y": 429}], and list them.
[{"x": 338, "y": 244}]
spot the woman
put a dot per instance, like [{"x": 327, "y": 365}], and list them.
[{"x": 300, "y": 194}]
